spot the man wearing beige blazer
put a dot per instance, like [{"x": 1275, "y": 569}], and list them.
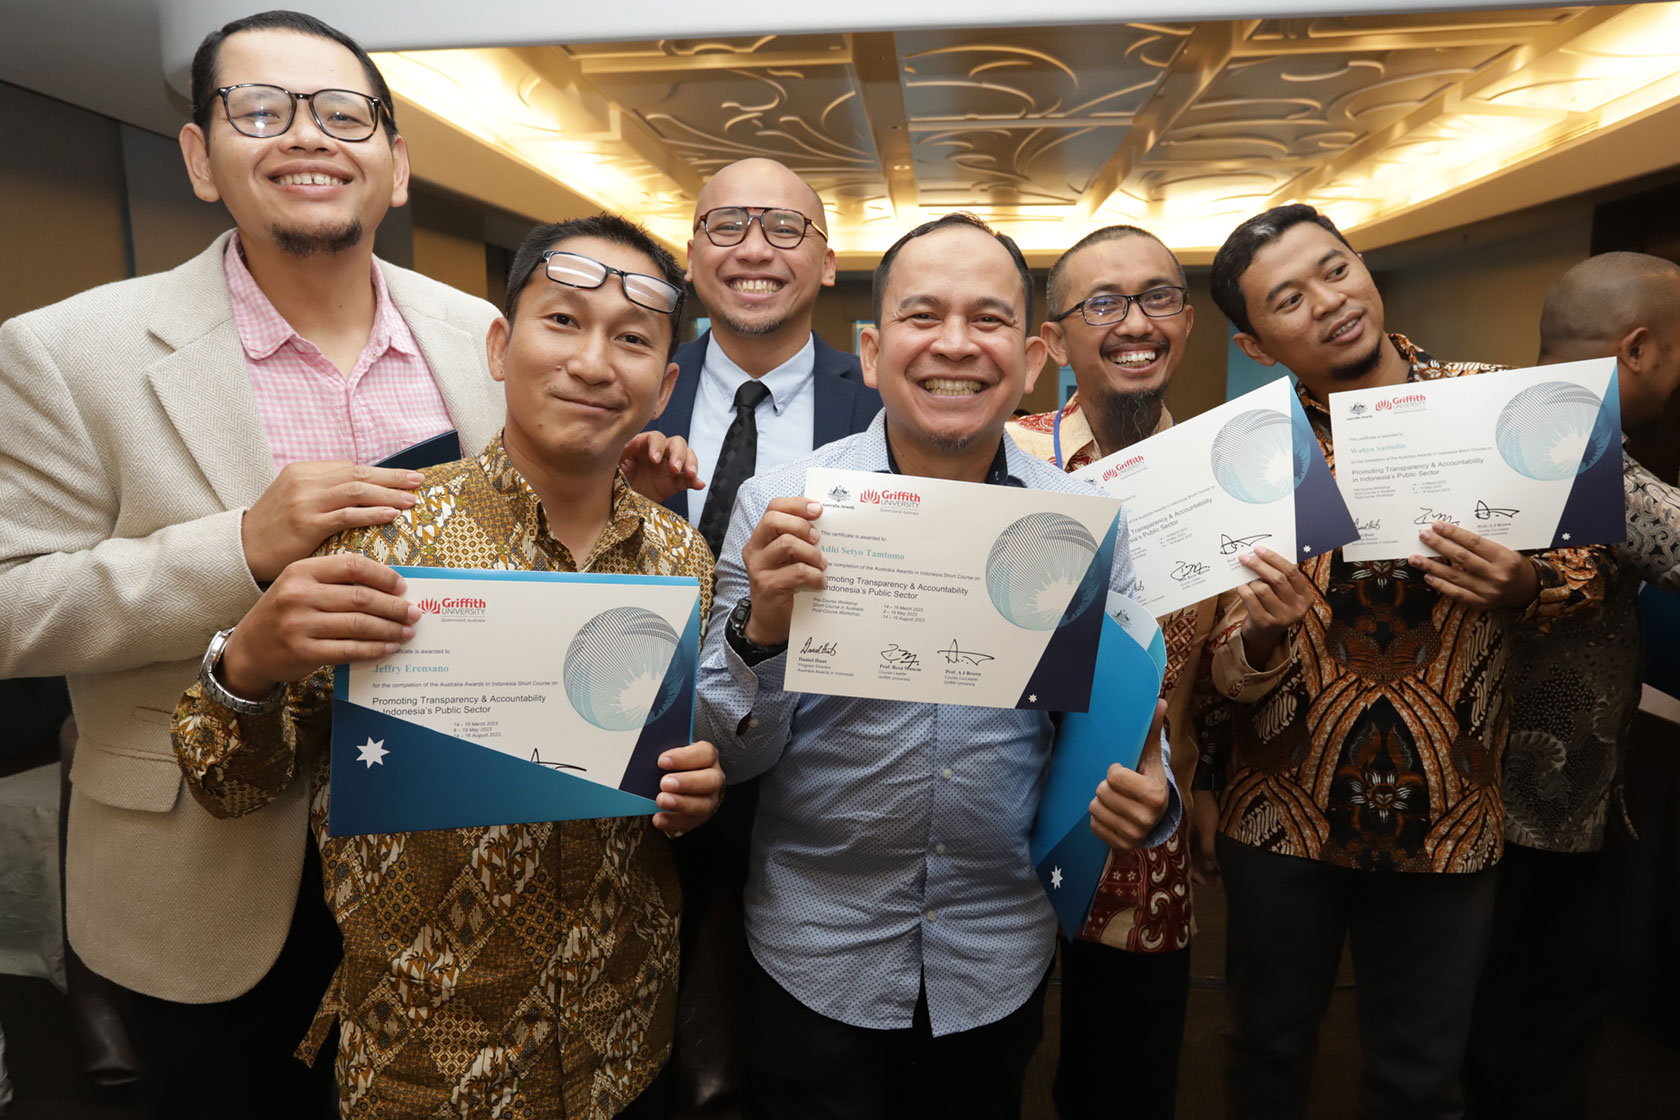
[{"x": 141, "y": 511}]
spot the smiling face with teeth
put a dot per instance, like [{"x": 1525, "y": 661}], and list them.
[
  {"x": 759, "y": 296},
  {"x": 303, "y": 191},
  {"x": 952, "y": 354},
  {"x": 1136, "y": 355},
  {"x": 1316, "y": 311}
]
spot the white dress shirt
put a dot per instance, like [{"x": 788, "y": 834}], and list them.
[{"x": 785, "y": 418}]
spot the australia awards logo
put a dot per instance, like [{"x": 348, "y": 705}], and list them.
[
  {"x": 1358, "y": 409},
  {"x": 839, "y": 494}
]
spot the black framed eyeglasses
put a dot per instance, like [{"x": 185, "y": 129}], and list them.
[
  {"x": 1111, "y": 307},
  {"x": 728, "y": 225},
  {"x": 263, "y": 111},
  {"x": 578, "y": 271}
]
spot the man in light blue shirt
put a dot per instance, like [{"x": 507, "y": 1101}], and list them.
[{"x": 900, "y": 935}]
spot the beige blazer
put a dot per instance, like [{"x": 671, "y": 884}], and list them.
[{"x": 131, "y": 446}]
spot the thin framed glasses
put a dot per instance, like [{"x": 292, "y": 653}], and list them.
[
  {"x": 263, "y": 111},
  {"x": 728, "y": 225},
  {"x": 578, "y": 271},
  {"x": 1111, "y": 307}
]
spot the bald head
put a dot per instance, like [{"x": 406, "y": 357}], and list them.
[
  {"x": 1602, "y": 300},
  {"x": 749, "y": 178}
]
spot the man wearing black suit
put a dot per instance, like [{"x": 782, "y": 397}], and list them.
[{"x": 758, "y": 390}]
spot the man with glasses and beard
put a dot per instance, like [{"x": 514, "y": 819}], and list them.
[
  {"x": 1119, "y": 316},
  {"x": 174, "y": 441}
]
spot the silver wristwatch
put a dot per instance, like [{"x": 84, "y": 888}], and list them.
[{"x": 213, "y": 687}]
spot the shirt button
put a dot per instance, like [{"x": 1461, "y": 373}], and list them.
[
  {"x": 752, "y": 721},
  {"x": 946, "y": 773},
  {"x": 940, "y": 848},
  {"x": 932, "y": 914}
]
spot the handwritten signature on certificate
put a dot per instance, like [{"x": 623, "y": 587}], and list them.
[
  {"x": 955, "y": 656},
  {"x": 1230, "y": 546},
  {"x": 1485, "y": 512},
  {"x": 1188, "y": 569},
  {"x": 899, "y": 658}
]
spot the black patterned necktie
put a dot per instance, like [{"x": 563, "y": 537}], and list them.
[{"x": 735, "y": 462}]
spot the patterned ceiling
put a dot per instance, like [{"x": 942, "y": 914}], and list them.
[{"x": 1185, "y": 128}]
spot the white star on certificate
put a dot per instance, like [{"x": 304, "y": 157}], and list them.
[
  {"x": 1032, "y": 697},
  {"x": 1056, "y": 878},
  {"x": 1566, "y": 536},
  {"x": 371, "y": 752},
  {"x": 1305, "y": 547}
]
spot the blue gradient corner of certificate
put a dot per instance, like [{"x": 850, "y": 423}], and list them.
[
  {"x": 1062, "y": 679},
  {"x": 1068, "y": 857},
  {"x": 1322, "y": 520},
  {"x": 1594, "y": 512},
  {"x": 389, "y": 774}
]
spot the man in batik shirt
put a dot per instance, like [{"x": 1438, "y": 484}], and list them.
[
  {"x": 1574, "y": 692},
  {"x": 518, "y": 970},
  {"x": 1119, "y": 317},
  {"x": 1360, "y": 798}
]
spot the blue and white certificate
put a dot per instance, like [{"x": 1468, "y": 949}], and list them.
[
  {"x": 1200, "y": 494},
  {"x": 523, "y": 696},
  {"x": 1131, "y": 663},
  {"x": 1531, "y": 458},
  {"x": 953, "y": 592}
]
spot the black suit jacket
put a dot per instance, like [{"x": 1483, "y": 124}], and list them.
[{"x": 844, "y": 404}]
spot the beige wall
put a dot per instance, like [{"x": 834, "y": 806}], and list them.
[{"x": 1483, "y": 304}]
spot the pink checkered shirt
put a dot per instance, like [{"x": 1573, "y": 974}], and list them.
[{"x": 310, "y": 409}]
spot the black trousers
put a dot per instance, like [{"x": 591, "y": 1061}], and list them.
[
  {"x": 805, "y": 1066},
  {"x": 1545, "y": 990},
  {"x": 1122, "y": 1027},
  {"x": 216, "y": 1060},
  {"x": 1418, "y": 941}
]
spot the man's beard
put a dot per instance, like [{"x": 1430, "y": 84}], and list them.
[
  {"x": 1359, "y": 367},
  {"x": 737, "y": 326},
  {"x": 307, "y": 243},
  {"x": 1120, "y": 419}
]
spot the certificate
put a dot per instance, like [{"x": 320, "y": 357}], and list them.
[
  {"x": 1200, "y": 494},
  {"x": 953, "y": 592},
  {"x": 523, "y": 696},
  {"x": 1531, "y": 458},
  {"x": 1131, "y": 663}
]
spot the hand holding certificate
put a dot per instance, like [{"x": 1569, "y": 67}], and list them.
[
  {"x": 1529, "y": 459},
  {"x": 953, "y": 592},
  {"x": 523, "y": 696},
  {"x": 1204, "y": 492}
]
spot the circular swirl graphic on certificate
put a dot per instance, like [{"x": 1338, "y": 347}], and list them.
[
  {"x": 1259, "y": 457},
  {"x": 611, "y": 662},
  {"x": 1036, "y": 572},
  {"x": 1540, "y": 431}
]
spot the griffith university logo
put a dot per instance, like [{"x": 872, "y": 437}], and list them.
[
  {"x": 464, "y": 606},
  {"x": 1408, "y": 402},
  {"x": 907, "y": 500},
  {"x": 1122, "y": 469}
]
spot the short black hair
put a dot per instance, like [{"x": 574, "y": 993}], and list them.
[
  {"x": 1054, "y": 295},
  {"x": 878, "y": 288},
  {"x": 528, "y": 258},
  {"x": 209, "y": 56},
  {"x": 1235, "y": 256}
]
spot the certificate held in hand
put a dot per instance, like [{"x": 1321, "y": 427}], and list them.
[{"x": 523, "y": 697}]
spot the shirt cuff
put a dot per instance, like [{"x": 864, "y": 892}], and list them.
[{"x": 1237, "y": 680}]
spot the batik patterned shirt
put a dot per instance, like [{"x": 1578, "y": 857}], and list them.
[
  {"x": 514, "y": 971},
  {"x": 1143, "y": 900},
  {"x": 1575, "y": 689},
  {"x": 1376, "y": 739}
]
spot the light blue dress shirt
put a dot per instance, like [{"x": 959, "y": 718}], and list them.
[
  {"x": 785, "y": 418},
  {"x": 890, "y": 848}
]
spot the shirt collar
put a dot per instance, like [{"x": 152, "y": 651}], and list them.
[
  {"x": 263, "y": 330},
  {"x": 784, "y": 382},
  {"x": 996, "y": 475},
  {"x": 623, "y": 521},
  {"x": 1416, "y": 363}
]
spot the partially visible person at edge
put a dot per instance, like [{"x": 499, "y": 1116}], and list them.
[
  {"x": 525, "y": 969},
  {"x": 172, "y": 443},
  {"x": 1119, "y": 315},
  {"x": 1357, "y": 765},
  {"x": 900, "y": 939},
  {"x": 1574, "y": 693}
]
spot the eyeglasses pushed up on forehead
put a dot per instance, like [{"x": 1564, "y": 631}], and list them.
[
  {"x": 728, "y": 225},
  {"x": 262, "y": 111},
  {"x": 578, "y": 271},
  {"x": 1111, "y": 307}
]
